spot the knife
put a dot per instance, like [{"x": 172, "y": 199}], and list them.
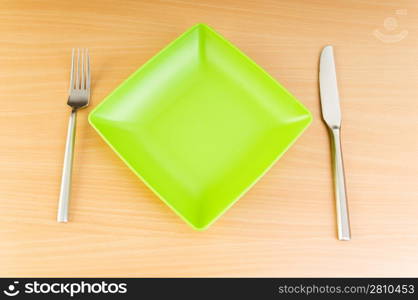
[{"x": 331, "y": 113}]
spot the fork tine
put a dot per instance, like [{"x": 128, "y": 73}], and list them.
[
  {"x": 88, "y": 69},
  {"x": 77, "y": 79},
  {"x": 72, "y": 71},
  {"x": 83, "y": 84}
]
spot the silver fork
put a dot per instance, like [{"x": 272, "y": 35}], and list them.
[{"x": 78, "y": 97}]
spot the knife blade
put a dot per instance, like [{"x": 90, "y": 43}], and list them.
[
  {"x": 331, "y": 113},
  {"x": 330, "y": 100}
]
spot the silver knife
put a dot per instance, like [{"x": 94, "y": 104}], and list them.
[{"x": 331, "y": 113}]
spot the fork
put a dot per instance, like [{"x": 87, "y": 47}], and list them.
[{"x": 78, "y": 97}]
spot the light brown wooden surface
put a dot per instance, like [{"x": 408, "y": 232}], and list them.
[{"x": 285, "y": 225}]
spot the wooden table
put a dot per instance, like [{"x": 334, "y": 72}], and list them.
[{"x": 285, "y": 225}]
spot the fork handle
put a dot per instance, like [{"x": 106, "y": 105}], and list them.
[
  {"x": 67, "y": 170},
  {"x": 339, "y": 186}
]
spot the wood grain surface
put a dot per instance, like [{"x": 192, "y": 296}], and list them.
[{"x": 285, "y": 225}]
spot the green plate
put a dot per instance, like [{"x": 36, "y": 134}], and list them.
[{"x": 200, "y": 123}]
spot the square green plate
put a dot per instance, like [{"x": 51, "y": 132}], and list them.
[{"x": 200, "y": 123}]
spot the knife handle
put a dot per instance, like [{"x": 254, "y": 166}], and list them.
[{"x": 339, "y": 186}]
